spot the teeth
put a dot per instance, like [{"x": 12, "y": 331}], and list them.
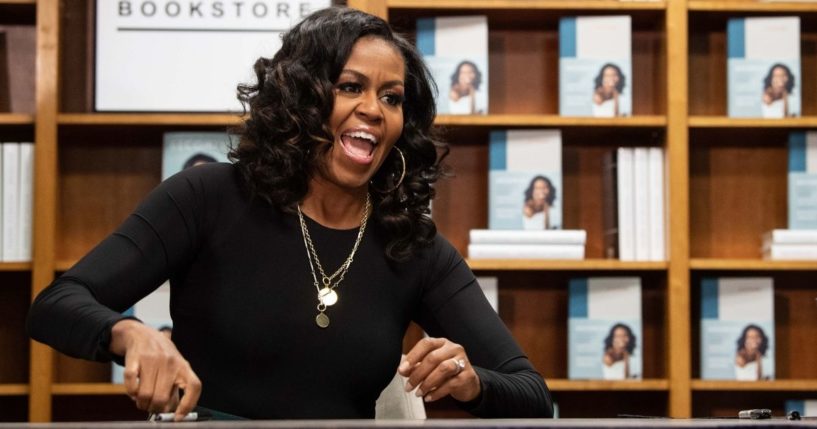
[{"x": 363, "y": 135}]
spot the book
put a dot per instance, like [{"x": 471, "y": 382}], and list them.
[
  {"x": 182, "y": 150},
  {"x": 456, "y": 51},
  {"x": 782, "y": 252},
  {"x": 806, "y": 407},
  {"x": 26, "y": 208},
  {"x": 641, "y": 203},
  {"x": 656, "y": 204},
  {"x": 802, "y": 186},
  {"x": 595, "y": 66},
  {"x": 494, "y": 236},
  {"x": 626, "y": 203},
  {"x": 490, "y": 287},
  {"x": 763, "y": 67},
  {"x": 604, "y": 328},
  {"x": 166, "y": 56},
  {"x": 790, "y": 236},
  {"x": 525, "y": 180},
  {"x": 18, "y": 51},
  {"x": 526, "y": 251},
  {"x": 737, "y": 328},
  {"x": 11, "y": 201}
]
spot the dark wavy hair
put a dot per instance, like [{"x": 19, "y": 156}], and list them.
[
  {"x": 286, "y": 135},
  {"x": 456, "y": 76},
  {"x": 608, "y": 341},
  {"x": 622, "y": 81},
  {"x": 767, "y": 81},
  {"x": 764, "y": 341},
  {"x": 551, "y": 195}
]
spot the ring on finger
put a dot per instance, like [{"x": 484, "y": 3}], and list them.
[{"x": 460, "y": 363}]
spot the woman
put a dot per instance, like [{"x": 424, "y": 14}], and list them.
[
  {"x": 777, "y": 86},
  {"x": 752, "y": 346},
  {"x": 465, "y": 96},
  {"x": 296, "y": 270},
  {"x": 539, "y": 197},
  {"x": 618, "y": 347},
  {"x": 608, "y": 86}
]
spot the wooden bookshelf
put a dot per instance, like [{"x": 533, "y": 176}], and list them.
[
  {"x": 518, "y": 120},
  {"x": 755, "y": 386},
  {"x": 18, "y": 2},
  {"x": 15, "y": 266},
  {"x": 582, "y": 5},
  {"x": 177, "y": 119},
  {"x": 751, "y": 265},
  {"x": 564, "y": 265},
  {"x": 725, "y": 122},
  {"x": 16, "y": 119},
  {"x": 752, "y": 6},
  {"x": 87, "y": 389},
  {"x": 650, "y": 385},
  {"x": 18, "y": 389}
]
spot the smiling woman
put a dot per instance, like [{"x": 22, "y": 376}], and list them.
[{"x": 296, "y": 270}]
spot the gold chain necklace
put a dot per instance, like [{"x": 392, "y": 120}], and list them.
[{"x": 327, "y": 296}]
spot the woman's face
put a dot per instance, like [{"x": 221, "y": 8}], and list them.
[
  {"x": 609, "y": 78},
  {"x": 753, "y": 340},
  {"x": 467, "y": 75},
  {"x": 620, "y": 338},
  {"x": 367, "y": 118},
  {"x": 541, "y": 190},
  {"x": 779, "y": 78}
]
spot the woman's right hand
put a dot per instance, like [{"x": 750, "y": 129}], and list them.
[{"x": 154, "y": 369}]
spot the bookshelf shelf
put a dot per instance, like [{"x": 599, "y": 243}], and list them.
[
  {"x": 5, "y": 2},
  {"x": 16, "y": 118},
  {"x": 752, "y": 6},
  {"x": 15, "y": 266},
  {"x": 13, "y": 389},
  {"x": 726, "y": 122},
  {"x": 564, "y": 265},
  {"x": 656, "y": 121},
  {"x": 766, "y": 386},
  {"x": 563, "y": 385},
  {"x": 530, "y": 4},
  {"x": 177, "y": 119},
  {"x": 751, "y": 265},
  {"x": 88, "y": 389}
]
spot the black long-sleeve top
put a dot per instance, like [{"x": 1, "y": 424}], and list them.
[{"x": 243, "y": 305}]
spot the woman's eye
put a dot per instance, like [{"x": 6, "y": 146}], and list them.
[
  {"x": 393, "y": 99},
  {"x": 349, "y": 87}
]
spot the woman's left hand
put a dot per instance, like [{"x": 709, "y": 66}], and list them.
[{"x": 438, "y": 368}]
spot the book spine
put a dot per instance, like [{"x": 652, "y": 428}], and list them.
[
  {"x": 790, "y": 252},
  {"x": 626, "y": 205},
  {"x": 488, "y": 236},
  {"x": 525, "y": 251},
  {"x": 26, "y": 208},
  {"x": 11, "y": 201},
  {"x": 641, "y": 204},
  {"x": 788, "y": 236},
  {"x": 656, "y": 204},
  {"x": 610, "y": 205}
]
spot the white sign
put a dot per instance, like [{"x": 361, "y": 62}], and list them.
[{"x": 185, "y": 55}]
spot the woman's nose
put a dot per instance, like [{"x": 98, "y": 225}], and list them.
[{"x": 369, "y": 107}]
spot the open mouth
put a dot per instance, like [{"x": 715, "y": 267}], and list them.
[{"x": 359, "y": 145}]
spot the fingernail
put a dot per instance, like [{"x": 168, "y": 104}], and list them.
[
  {"x": 418, "y": 393},
  {"x": 404, "y": 366},
  {"x": 428, "y": 398},
  {"x": 409, "y": 387}
]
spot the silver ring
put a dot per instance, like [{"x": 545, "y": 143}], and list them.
[{"x": 460, "y": 366}]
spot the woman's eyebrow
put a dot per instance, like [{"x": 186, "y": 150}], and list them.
[{"x": 365, "y": 79}]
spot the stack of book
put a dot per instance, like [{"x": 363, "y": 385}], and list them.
[
  {"x": 16, "y": 203},
  {"x": 634, "y": 204},
  {"x": 790, "y": 244},
  {"x": 521, "y": 244}
]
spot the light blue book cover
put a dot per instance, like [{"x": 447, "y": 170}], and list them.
[
  {"x": 763, "y": 67},
  {"x": 806, "y": 407},
  {"x": 182, "y": 150},
  {"x": 802, "y": 189},
  {"x": 595, "y": 66},
  {"x": 604, "y": 328},
  {"x": 737, "y": 328},
  {"x": 525, "y": 180},
  {"x": 456, "y": 51}
]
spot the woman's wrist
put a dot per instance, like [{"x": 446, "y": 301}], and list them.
[{"x": 121, "y": 332}]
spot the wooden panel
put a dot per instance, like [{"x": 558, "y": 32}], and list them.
[
  {"x": 752, "y": 6},
  {"x": 461, "y": 203},
  {"x": 562, "y": 385},
  {"x": 765, "y": 386},
  {"x": 752, "y": 265},
  {"x": 72, "y": 370},
  {"x": 524, "y": 58},
  {"x": 584, "y": 265},
  {"x": 76, "y": 56},
  {"x": 726, "y": 122},
  {"x": 482, "y": 5},
  {"x": 525, "y": 120},
  {"x": 707, "y": 61},
  {"x": 88, "y": 389},
  {"x": 15, "y": 296},
  {"x": 733, "y": 203},
  {"x": 795, "y": 312},
  {"x": 718, "y": 404},
  {"x": 104, "y": 173},
  {"x": 18, "y": 389},
  {"x": 96, "y": 408}
]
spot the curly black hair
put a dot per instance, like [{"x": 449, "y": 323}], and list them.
[
  {"x": 608, "y": 341},
  {"x": 284, "y": 138},
  {"x": 764, "y": 341},
  {"x": 767, "y": 81},
  {"x": 455, "y": 77},
  {"x": 551, "y": 195},
  {"x": 622, "y": 81}
]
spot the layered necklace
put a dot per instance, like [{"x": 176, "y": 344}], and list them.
[{"x": 327, "y": 294}]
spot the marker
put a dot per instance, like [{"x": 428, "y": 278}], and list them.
[{"x": 169, "y": 417}]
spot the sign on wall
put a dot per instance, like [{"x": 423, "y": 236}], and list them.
[{"x": 185, "y": 55}]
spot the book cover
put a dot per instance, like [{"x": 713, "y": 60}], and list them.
[
  {"x": 526, "y": 251},
  {"x": 11, "y": 201},
  {"x": 763, "y": 67},
  {"x": 595, "y": 66},
  {"x": 165, "y": 56},
  {"x": 737, "y": 328},
  {"x": 656, "y": 202},
  {"x": 604, "y": 328},
  {"x": 182, "y": 150},
  {"x": 806, "y": 407},
  {"x": 26, "y": 208},
  {"x": 498, "y": 236},
  {"x": 490, "y": 287},
  {"x": 802, "y": 186},
  {"x": 456, "y": 52},
  {"x": 525, "y": 180},
  {"x": 18, "y": 51}
]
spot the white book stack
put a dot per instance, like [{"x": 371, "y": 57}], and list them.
[
  {"x": 641, "y": 204},
  {"x": 527, "y": 244},
  {"x": 790, "y": 244},
  {"x": 16, "y": 199}
]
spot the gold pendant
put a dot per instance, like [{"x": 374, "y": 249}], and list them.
[
  {"x": 322, "y": 320},
  {"x": 328, "y": 297}
]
